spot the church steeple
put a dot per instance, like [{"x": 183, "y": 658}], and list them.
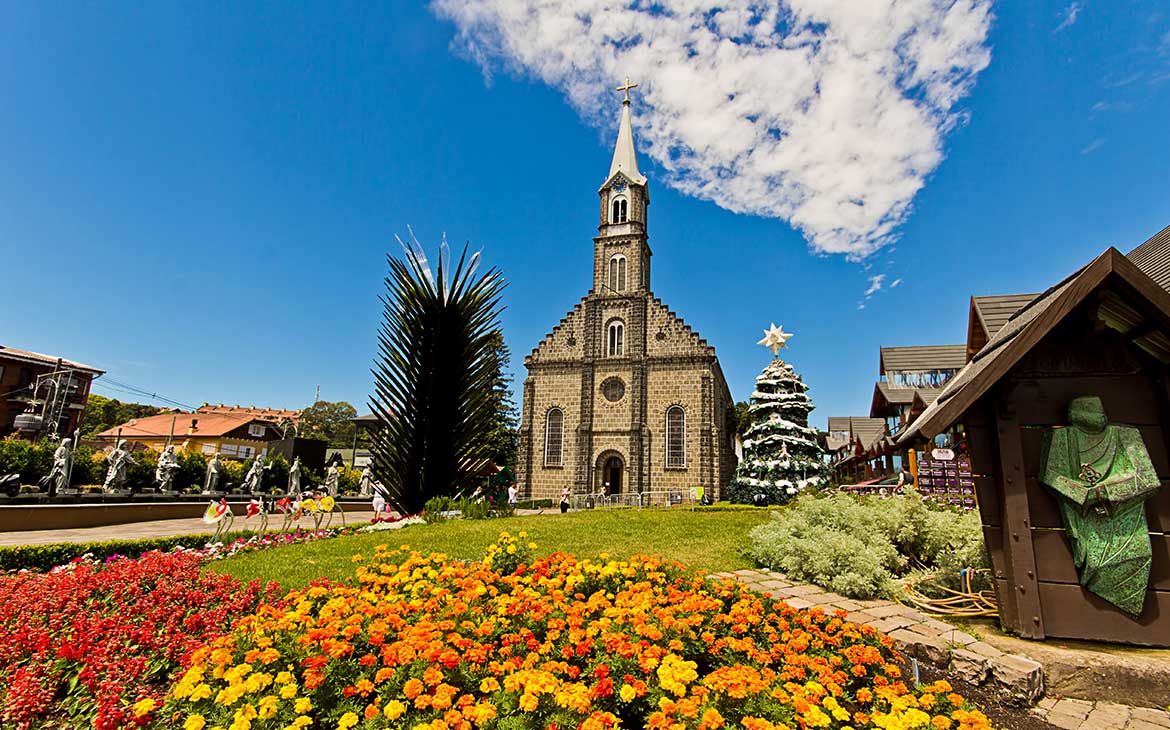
[
  {"x": 625, "y": 158},
  {"x": 621, "y": 258}
]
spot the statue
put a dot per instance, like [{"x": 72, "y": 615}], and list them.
[
  {"x": 1102, "y": 476},
  {"x": 164, "y": 472},
  {"x": 294, "y": 477},
  {"x": 119, "y": 460},
  {"x": 58, "y": 477},
  {"x": 255, "y": 475},
  {"x": 366, "y": 485},
  {"x": 214, "y": 469},
  {"x": 332, "y": 479}
]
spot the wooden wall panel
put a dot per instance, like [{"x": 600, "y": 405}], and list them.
[
  {"x": 1069, "y": 609},
  {"x": 990, "y": 502},
  {"x": 1054, "y": 561},
  {"x": 1128, "y": 399}
]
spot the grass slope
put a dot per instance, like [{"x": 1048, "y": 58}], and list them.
[{"x": 705, "y": 540}]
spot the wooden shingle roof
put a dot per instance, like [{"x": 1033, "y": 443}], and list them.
[
  {"x": 1153, "y": 257},
  {"x": 922, "y": 358},
  {"x": 1030, "y": 324}
]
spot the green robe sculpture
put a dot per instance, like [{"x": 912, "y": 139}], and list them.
[{"x": 1102, "y": 475}]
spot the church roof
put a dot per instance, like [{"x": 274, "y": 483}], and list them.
[{"x": 625, "y": 158}]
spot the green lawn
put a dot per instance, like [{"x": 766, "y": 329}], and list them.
[{"x": 708, "y": 540}]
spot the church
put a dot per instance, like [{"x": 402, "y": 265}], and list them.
[{"x": 623, "y": 397}]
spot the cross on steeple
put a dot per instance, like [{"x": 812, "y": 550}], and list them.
[{"x": 626, "y": 88}]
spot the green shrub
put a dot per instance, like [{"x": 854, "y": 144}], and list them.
[
  {"x": 859, "y": 547},
  {"x": 44, "y": 557}
]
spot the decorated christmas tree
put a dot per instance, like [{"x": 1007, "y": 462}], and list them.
[{"x": 781, "y": 454}]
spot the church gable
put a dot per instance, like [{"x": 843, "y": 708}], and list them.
[
  {"x": 667, "y": 335},
  {"x": 565, "y": 340}
]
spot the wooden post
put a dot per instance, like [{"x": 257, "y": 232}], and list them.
[{"x": 1022, "y": 612}]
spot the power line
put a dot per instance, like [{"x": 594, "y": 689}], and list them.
[{"x": 118, "y": 386}]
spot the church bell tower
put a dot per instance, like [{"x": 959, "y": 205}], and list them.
[{"x": 621, "y": 253}]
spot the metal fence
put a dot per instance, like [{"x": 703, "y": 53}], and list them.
[{"x": 638, "y": 500}]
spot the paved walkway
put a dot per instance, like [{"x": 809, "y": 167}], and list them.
[
  {"x": 153, "y": 528},
  {"x": 1084, "y": 715},
  {"x": 976, "y": 662}
]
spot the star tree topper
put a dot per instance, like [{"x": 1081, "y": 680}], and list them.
[{"x": 775, "y": 339}]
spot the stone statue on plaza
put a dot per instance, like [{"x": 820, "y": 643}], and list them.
[
  {"x": 294, "y": 477},
  {"x": 332, "y": 479},
  {"x": 1102, "y": 476},
  {"x": 119, "y": 461},
  {"x": 58, "y": 477},
  {"x": 366, "y": 484},
  {"x": 255, "y": 475},
  {"x": 166, "y": 469},
  {"x": 211, "y": 478}
]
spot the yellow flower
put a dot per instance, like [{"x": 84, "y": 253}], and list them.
[
  {"x": 302, "y": 705},
  {"x": 288, "y": 691},
  {"x": 143, "y": 707},
  {"x": 394, "y": 710},
  {"x": 201, "y": 692},
  {"x": 627, "y": 693},
  {"x": 195, "y": 722},
  {"x": 347, "y": 721}
]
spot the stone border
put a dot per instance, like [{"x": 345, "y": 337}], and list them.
[{"x": 1018, "y": 678}]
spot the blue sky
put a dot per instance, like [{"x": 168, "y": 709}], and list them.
[{"x": 199, "y": 198}]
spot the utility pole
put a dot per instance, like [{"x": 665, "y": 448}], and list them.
[{"x": 317, "y": 397}]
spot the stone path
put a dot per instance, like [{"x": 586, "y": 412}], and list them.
[
  {"x": 1073, "y": 714},
  {"x": 153, "y": 528}
]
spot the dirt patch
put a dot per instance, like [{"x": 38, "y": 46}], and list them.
[{"x": 1002, "y": 715}]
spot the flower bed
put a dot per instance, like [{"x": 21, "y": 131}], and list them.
[
  {"x": 430, "y": 643},
  {"x": 95, "y": 644}
]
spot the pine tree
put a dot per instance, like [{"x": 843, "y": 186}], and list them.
[{"x": 782, "y": 455}]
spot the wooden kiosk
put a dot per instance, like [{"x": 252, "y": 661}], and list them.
[{"x": 1104, "y": 331}]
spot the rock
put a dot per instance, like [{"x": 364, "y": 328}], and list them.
[
  {"x": 970, "y": 667},
  {"x": 929, "y": 649},
  {"x": 1020, "y": 679}
]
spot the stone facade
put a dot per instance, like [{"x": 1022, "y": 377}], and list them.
[{"x": 613, "y": 371}]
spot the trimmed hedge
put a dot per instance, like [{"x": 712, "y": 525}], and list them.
[{"x": 45, "y": 557}]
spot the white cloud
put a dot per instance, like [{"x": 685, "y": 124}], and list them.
[
  {"x": 875, "y": 285},
  {"x": 896, "y": 283},
  {"x": 829, "y": 114},
  {"x": 1069, "y": 16},
  {"x": 1093, "y": 146}
]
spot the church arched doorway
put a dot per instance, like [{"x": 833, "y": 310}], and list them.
[{"x": 611, "y": 473}]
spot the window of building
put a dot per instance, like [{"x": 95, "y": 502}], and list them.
[
  {"x": 554, "y": 437},
  {"x": 617, "y": 273},
  {"x": 676, "y": 437},
  {"x": 228, "y": 450},
  {"x": 616, "y": 340},
  {"x": 619, "y": 212},
  {"x": 208, "y": 449},
  {"x": 613, "y": 389},
  {"x": 246, "y": 452},
  {"x": 256, "y": 429}
]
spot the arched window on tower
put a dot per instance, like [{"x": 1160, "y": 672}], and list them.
[
  {"x": 676, "y": 437},
  {"x": 617, "y": 272},
  {"x": 554, "y": 437},
  {"x": 616, "y": 340},
  {"x": 620, "y": 211}
]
